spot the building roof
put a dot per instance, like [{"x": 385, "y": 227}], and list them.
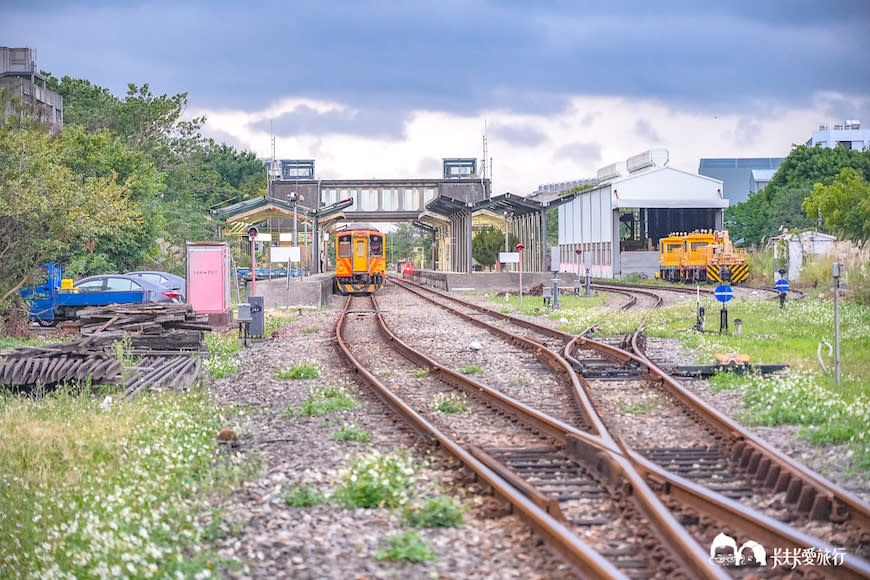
[{"x": 763, "y": 174}]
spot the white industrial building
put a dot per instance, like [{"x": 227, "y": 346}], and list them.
[
  {"x": 848, "y": 134},
  {"x": 618, "y": 223}
]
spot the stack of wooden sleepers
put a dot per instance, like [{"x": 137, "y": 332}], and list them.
[{"x": 161, "y": 347}]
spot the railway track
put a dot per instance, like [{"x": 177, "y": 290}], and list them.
[
  {"x": 704, "y": 479},
  {"x": 564, "y": 482}
]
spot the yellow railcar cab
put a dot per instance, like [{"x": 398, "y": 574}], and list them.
[{"x": 359, "y": 262}]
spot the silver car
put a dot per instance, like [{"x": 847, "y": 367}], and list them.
[{"x": 165, "y": 279}]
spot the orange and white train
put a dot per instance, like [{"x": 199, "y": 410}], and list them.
[{"x": 359, "y": 260}]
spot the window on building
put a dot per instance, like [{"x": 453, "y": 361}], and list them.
[{"x": 389, "y": 199}]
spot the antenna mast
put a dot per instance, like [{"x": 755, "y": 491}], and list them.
[{"x": 483, "y": 171}]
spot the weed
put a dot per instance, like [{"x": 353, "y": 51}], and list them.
[
  {"x": 330, "y": 422},
  {"x": 472, "y": 369},
  {"x": 221, "y": 348},
  {"x": 376, "y": 480},
  {"x": 311, "y": 330},
  {"x": 304, "y": 370},
  {"x": 641, "y": 408},
  {"x": 420, "y": 373},
  {"x": 303, "y": 496},
  {"x": 323, "y": 400},
  {"x": 436, "y": 512},
  {"x": 88, "y": 492},
  {"x": 351, "y": 434},
  {"x": 519, "y": 382},
  {"x": 407, "y": 547},
  {"x": 451, "y": 403}
]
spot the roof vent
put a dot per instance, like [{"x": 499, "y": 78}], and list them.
[
  {"x": 612, "y": 171},
  {"x": 651, "y": 158}
]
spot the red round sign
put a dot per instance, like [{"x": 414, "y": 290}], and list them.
[
  {"x": 578, "y": 250},
  {"x": 520, "y": 247},
  {"x": 252, "y": 233}
]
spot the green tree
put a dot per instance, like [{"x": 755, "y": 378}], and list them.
[
  {"x": 844, "y": 205},
  {"x": 45, "y": 208},
  {"x": 781, "y": 203}
]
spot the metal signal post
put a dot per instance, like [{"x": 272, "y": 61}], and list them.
[{"x": 520, "y": 248}]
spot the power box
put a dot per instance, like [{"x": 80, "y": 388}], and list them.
[{"x": 258, "y": 323}]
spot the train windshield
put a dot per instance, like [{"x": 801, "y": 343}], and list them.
[
  {"x": 344, "y": 250},
  {"x": 697, "y": 245},
  {"x": 376, "y": 244}
]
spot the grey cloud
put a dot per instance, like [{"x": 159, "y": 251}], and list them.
[
  {"x": 643, "y": 128},
  {"x": 517, "y": 134},
  {"x": 748, "y": 131},
  {"x": 585, "y": 152},
  {"x": 370, "y": 123}
]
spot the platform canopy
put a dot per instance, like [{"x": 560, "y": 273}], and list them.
[{"x": 240, "y": 216}]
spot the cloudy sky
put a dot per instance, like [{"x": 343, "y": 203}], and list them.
[{"x": 387, "y": 88}]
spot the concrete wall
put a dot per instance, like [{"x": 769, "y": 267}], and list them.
[
  {"x": 310, "y": 291},
  {"x": 639, "y": 263},
  {"x": 494, "y": 281}
]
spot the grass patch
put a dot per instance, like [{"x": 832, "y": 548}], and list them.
[
  {"x": 641, "y": 408},
  {"x": 91, "y": 492},
  {"x": 798, "y": 399},
  {"x": 472, "y": 369},
  {"x": 311, "y": 330},
  {"x": 275, "y": 320},
  {"x": 436, "y": 512},
  {"x": 304, "y": 496},
  {"x": 450, "y": 403},
  {"x": 420, "y": 373},
  {"x": 221, "y": 347},
  {"x": 323, "y": 400},
  {"x": 407, "y": 547},
  {"x": 377, "y": 480},
  {"x": 301, "y": 371},
  {"x": 350, "y": 434}
]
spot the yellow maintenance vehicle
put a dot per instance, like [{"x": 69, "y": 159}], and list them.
[{"x": 701, "y": 256}]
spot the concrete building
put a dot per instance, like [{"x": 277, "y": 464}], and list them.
[
  {"x": 849, "y": 134},
  {"x": 618, "y": 223},
  {"x": 21, "y": 81},
  {"x": 740, "y": 176}
]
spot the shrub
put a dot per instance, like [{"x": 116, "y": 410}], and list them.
[{"x": 436, "y": 512}]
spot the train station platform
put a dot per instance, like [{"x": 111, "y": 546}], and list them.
[
  {"x": 312, "y": 291},
  {"x": 315, "y": 291}
]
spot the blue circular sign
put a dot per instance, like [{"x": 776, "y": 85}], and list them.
[
  {"x": 782, "y": 285},
  {"x": 723, "y": 293}
]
